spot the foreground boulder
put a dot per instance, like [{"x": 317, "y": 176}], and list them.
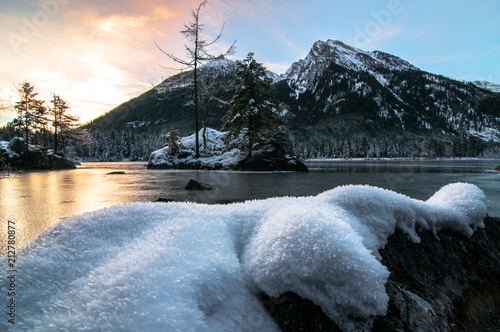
[
  {"x": 195, "y": 185},
  {"x": 211, "y": 263},
  {"x": 445, "y": 283}
]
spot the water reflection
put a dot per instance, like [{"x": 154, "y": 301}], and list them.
[{"x": 37, "y": 200}]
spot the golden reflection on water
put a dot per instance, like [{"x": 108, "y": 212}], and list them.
[{"x": 37, "y": 200}]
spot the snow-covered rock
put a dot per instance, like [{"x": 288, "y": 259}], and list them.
[
  {"x": 193, "y": 267},
  {"x": 37, "y": 158},
  {"x": 266, "y": 157},
  {"x": 212, "y": 156}
]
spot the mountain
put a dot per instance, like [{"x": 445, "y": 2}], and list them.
[
  {"x": 343, "y": 102},
  {"x": 342, "y": 92},
  {"x": 302, "y": 75},
  {"x": 169, "y": 104},
  {"x": 488, "y": 85}
]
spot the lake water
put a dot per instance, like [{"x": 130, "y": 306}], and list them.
[{"x": 37, "y": 200}]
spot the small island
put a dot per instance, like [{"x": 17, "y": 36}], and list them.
[
  {"x": 179, "y": 153},
  {"x": 254, "y": 135},
  {"x": 16, "y": 155},
  {"x": 34, "y": 124}
]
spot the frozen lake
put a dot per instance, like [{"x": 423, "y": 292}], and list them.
[{"x": 37, "y": 200}]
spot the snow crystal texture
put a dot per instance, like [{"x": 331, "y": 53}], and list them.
[{"x": 193, "y": 267}]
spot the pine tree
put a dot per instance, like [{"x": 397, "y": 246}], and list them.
[
  {"x": 63, "y": 123},
  {"x": 31, "y": 110},
  {"x": 173, "y": 141},
  {"x": 255, "y": 116}
]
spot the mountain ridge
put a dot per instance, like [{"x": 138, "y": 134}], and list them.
[{"x": 343, "y": 102}]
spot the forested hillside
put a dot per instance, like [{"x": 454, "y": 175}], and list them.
[{"x": 342, "y": 102}]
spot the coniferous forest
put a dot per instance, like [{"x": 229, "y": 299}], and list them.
[{"x": 365, "y": 105}]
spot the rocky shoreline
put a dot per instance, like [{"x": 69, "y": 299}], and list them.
[{"x": 15, "y": 157}]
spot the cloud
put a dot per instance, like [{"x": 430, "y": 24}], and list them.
[
  {"x": 95, "y": 54},
  {"x": 98, "y": 54}
]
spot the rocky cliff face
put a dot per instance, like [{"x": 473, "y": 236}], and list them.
[{"x": 444, "y": 283}]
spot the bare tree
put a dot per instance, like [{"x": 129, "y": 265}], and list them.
[{"x": 197, "y": 54}]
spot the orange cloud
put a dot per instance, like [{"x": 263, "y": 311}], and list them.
[{"x": 99, "y": 54}]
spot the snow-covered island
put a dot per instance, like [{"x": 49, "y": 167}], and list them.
[
  {"x": 196, "y": 267},
  {"x": 13, "y": 156},
  {"x": 266, "y": 157}
]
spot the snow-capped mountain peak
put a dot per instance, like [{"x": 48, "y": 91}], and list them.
[
  {"x": 220, "y": 63},
  {"x": 302, "y": 73}
]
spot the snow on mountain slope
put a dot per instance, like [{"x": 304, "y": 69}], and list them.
[
  {"x": 221, "y": 68},
  {"x": 301, "y": 74},
  {"x": 488, "y": 86},
  {"x": 391, "y": 93},
  {"x": 218, "y": 68},
  {"x": 340, "y": 96}
]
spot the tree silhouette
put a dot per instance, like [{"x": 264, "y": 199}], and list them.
[
  {"x": 31, "y": 110},
  {"x": 62, "y": 121},
  {"x": 197, "y": 54}
]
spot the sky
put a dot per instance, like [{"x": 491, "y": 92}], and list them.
[{"x": 97, "y": 54}]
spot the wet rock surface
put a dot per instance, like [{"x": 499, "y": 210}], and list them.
[{"x": 196, "y": 185}]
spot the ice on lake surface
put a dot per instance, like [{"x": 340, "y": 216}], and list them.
[
  {"x": 198, "y": 267},
  {"x": 37, "y": 200}
]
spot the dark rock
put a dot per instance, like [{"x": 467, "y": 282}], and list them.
[
  {"x": 17, "y": 145},
  {"x": 164, "y": 200},
  {"x": 450, "y": 283},
  {"x": 38, "y": 160},
  {"x": 293, "y": 313},
  {"x": 446, "y": 277},
  {"x": 116, "y": 172},
  {"x": 497, "y": 168},
  {"x": 195, "y": 185},
  {"x": 270, "y": 157}
]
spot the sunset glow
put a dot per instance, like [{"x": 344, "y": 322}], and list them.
[{"x": 99, "y": 54}]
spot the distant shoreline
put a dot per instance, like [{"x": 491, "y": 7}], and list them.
[{"x": 400, "y": 158}]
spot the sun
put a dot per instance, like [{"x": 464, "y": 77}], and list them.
[{"x": 106, "y": 26}]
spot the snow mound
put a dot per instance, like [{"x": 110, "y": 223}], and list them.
[
  {"x": 212, "y": 156},
  {"x": 194, "y": 267}
]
